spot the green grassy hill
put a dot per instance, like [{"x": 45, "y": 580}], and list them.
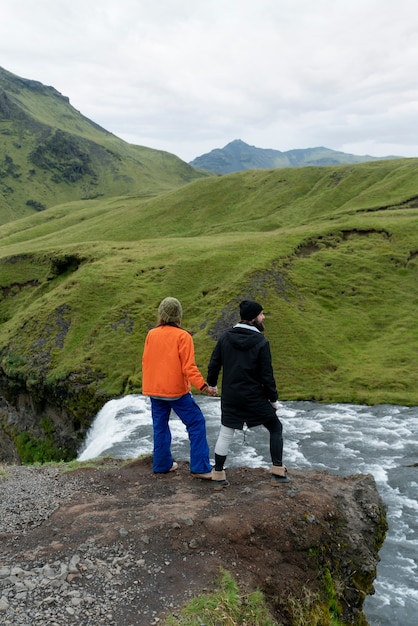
[
  {"x": 50, "y": 154},
  {"x": 331, "y": 253}
]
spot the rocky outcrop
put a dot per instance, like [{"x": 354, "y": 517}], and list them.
[
  {"x": 114, "y": 544},
  {"x": 40, "y": 423}
]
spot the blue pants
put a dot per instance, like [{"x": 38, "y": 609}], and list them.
[{"x": 192, "y": 417}]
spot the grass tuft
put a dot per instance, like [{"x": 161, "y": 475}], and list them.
[{"x": 227, "y": 606}]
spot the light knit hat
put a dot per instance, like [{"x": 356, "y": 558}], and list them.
[{"x": 170, "y": 310}]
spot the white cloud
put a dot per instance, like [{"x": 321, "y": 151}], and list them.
[{"x": 188, "y": 76}]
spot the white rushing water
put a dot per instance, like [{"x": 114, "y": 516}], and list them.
[{"x": 340, "y": 438}]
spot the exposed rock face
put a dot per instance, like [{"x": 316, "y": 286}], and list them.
[
  {"x": 127, "y": 543},
  {"x": 8, "y": 450},
  {"x": 58, "y": 416}
]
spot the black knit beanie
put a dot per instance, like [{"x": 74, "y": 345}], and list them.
[{"x": 248, "y": 310}]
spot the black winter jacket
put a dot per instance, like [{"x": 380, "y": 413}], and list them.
[{"x": 248, "y": 384}]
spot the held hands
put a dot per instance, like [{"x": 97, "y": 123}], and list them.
[{"x": 212, "y": 391}]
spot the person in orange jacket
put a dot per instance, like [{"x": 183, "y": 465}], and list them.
[{"x": 168, "y": 372}]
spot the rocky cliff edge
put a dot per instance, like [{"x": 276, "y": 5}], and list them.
[{"x": 115, "y": 544}]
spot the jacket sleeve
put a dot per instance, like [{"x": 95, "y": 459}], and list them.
[
  {"x": 215, "y": 365},
  {"x": 189, "y": 368},
  {"x": 267, "y": 375}
]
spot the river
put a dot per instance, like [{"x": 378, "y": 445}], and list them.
[{"x": 340, "y": 438}]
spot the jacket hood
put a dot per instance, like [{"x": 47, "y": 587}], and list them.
[{"x": 243, "y": 338}]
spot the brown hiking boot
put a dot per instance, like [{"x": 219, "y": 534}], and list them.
[
  {"x": 219, "y": 479},
  {"x": 279, "y": 474},
  {"x": 207, "y": 476}
]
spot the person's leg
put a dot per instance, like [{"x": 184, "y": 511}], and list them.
[
  {"x": 274, "y": 426},
  {"x": 192, "y": 417},
  {"x": 223, "y": 442},
  {"x": 162, "y": 460},
  {"x": 278, "y": 470}
]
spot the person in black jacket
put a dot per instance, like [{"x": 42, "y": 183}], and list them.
[{"x": 249, "y": 394}]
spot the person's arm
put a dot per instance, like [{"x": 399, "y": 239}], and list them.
[
  {"x": 215, "y": 365},
  {"x": 189, "y": 368},
  {"x": 267, "y": 374}
]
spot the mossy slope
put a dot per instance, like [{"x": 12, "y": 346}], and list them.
[{"x": 50, "y": 153}]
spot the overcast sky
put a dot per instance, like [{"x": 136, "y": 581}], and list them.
[{"x": 188, "y": 76}]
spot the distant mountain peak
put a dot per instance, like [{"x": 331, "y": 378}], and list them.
[{"x": 237, "y": 156}]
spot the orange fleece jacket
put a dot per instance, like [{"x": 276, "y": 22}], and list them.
[{"x": 168, "y": 363}]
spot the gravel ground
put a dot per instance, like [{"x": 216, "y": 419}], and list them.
[
  {"x": 29, "y": 495},
  {"x": 85, "y": 547},
  {"x": 83, "y": 586},
  {"x": 31, "y": 591}
]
